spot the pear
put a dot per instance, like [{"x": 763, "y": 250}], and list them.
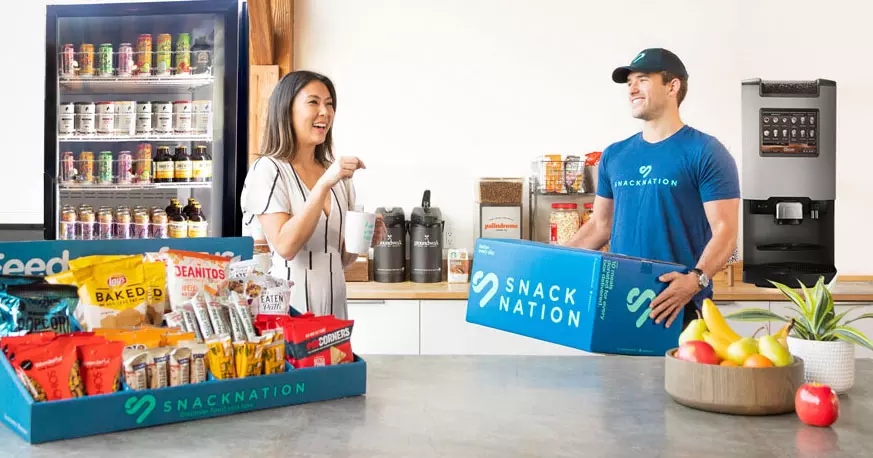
[
  {"x": 770, "y": 347},
  {"x": 742, "y": 349},
  {"x": 694, "y": 331}
]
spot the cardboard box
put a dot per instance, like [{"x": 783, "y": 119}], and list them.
[{"x": 590, "y": 300}]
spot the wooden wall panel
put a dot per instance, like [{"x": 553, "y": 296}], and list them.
[{"x": 262, "y": 80}]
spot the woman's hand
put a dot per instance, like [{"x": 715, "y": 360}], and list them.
[
  {"x": 342, "y": 168},
  {"x": 381, "y": 231}
]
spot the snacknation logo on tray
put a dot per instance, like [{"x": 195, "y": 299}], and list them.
[{"x": 528, "y": 299}]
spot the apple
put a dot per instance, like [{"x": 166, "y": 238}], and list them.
[
  {"x": 697, "y": 351},
  {"x": 817, "y": 404}
]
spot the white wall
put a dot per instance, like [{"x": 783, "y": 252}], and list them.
[{"x": 434, "y": 94}]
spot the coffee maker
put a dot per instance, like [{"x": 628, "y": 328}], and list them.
[{"x": 789, "y": 181}]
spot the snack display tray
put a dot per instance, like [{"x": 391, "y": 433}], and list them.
[{"x": 38, "y": 422}]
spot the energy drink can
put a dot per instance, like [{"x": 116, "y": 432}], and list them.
[
  {"x": 68, "y": 223},
  {"x": 141, "y": 223},
  {"x": 163, "y": 60},
  {"x": 124, "y": 164},
  {"x": 68, "y": 167},
  {"x": 86, "y": 167},
  {"x": 183, "y": 54},
  {"x": 86, "y": 60},
  {"x": 125, "y": 60},
  {"x": 104, "y": 168},
  {"x": 86, "y": 224},
  {"x": 142, "y": 164},
  {"x": 68, "y": 60},
  {"x": 144, "y": 55},
  {"x": 104, "y": 225},
  {"x": 123, "y": 226},
  {"x": 104, "y": 60}
]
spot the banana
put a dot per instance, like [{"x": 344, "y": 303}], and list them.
[
  {"x": 718, "y": 343},
  {"x": 782, "y": 334},
  {"x": 716, "y": 323}
]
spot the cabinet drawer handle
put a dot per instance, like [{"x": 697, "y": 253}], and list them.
[{"x": 373, "y": 301}]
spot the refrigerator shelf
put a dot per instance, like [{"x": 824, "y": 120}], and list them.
[
  {"x": 132, "y": 187},
  {"x": 97, "y": 84},
  {"x": 135, "y": 138}
]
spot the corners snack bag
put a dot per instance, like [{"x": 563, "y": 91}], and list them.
[
  {"x": 189, "y": 272},
  {"x": 50, "y": 372},
  {"x": 37, "y": 307},
  {"x": 319, "y": 341},
  {"x": 113, "y": 294},
  {"x": 101, "y": 367},
  {"x": 156, "y": 277}
]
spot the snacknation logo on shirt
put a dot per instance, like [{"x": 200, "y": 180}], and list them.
[{"x": 644, "y": 180}]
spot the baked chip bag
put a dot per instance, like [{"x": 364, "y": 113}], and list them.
[
  {"x": 319, "y": 341},
  {"x": 221, "y": 357},
  {"x": 37, "y": 307},
  {"x": 156, "y": 277},
  {"x": 66, "y": 277},
  {"x": 101, "y": 367},
  {"x": 114, "y": 294},
  {"x": 50, "y": 372},
  {"x": 189, "y": 272},
  {"x": 86, "y": 261}
]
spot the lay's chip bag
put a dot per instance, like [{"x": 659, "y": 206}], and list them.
[{"x": 113, "y": 294}]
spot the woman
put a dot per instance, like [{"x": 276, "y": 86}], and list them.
[{"x": 299, "y": 195}]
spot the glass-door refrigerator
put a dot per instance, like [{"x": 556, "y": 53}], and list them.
[{"x": 145, "y": 128}]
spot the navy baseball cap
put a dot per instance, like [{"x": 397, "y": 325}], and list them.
[{"x": 650, "y": 61}]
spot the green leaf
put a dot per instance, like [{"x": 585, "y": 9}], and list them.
[
  {"x": 859, "y": 317},
  {"x": 823, "y": 307},
  {"x": 793, "y": 296},
  {"x": 833, "y": 322},
  {"x": 852, "y": 335},
  {"x": 806, "y": 293},
  {"x": 801, "y": 327},
  {"x": 755, "y": 314}
]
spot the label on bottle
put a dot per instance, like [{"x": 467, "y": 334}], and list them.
[
  {"x": 196, "y": 228},
  {"x": 183, "y": 170},
  {"x": 178, "y": 229},
  {"x": 201, "y": 170},
  {"x": 164, "y": 170}
]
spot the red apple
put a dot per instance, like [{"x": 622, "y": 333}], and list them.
[
  {"x": 817, "y": 404},
  {"x": 697, "y": 351}
]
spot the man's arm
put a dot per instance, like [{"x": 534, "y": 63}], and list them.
[
  {"x": 594, "y": 234},
  {"x": 723, "y": 217}
]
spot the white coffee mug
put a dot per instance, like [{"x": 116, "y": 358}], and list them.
[{"x": 360, "y": 226}]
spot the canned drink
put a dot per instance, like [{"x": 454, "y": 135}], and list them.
[
  {"x": 86, "y": 60},
  {"x": 68, "y": 167},
  {"x": 143, "y": 117},
  {"x": 182, "y": 117},
  {"x": 141, "y": 221},
  {"x": 104, "y": 167},
  {"x": 68, "y": 60},
  {"x": 87, "y": 229},
  {"x": 68, "y": 223},
  {"x": 183, "y": 54},
  {"x": 125, "y": 118},
  {"x": 163, "y": 117},
  {"x": 163, "y": 62},
  {"x": 201, "y": 116},
  {"x": 159, "y": 225},
  {"x": 125, "y": 60},
  {"x": 104, "y": 60},
  {"x": 67, "y": 119},
  {"x": 142, "y": 164},
  {"x": 86, "y": 167},
  {"x": 123, "y": 225},
  {"x": 144, "y": 55},
  {"x": 104, "y": 225},
  {"x": 105, "y": 117},
  {"x": 124, "y": 175},
  {"x": 85, "y": 115}
]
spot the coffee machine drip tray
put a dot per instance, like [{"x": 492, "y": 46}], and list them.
[
  {"x": 788, "y": 273},
  {"x": 790, "y": 247}
]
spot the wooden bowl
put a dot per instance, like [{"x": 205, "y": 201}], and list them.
[{"x": 733, "y": 390}]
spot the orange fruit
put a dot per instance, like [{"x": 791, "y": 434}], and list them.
[
  {"x": 730, "y": 363},
  {"x": 757, "y": 361}
]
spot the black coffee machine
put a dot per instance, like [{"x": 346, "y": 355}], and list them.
[
  {"x": 389, "y": 257},
  {"x": 426, "y": 242},
  {"x": 789, "y": 181}
]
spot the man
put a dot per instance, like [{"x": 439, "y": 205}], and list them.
[{"x": 668, "y": 193}]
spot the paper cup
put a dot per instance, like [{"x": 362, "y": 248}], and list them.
[{"x": 359, "y": 231}]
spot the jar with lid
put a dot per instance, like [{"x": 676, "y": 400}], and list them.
[
  {"x": 587, "y": 213},
  {"x": 564, "y": 221}
]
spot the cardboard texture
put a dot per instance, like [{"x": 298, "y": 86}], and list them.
[{"x": 590, "y": 300}]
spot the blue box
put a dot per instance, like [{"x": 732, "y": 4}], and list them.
[{"x": 590, "y": 300}]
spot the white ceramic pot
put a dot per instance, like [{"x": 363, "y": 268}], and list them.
[{"x": 829, "y": 363}]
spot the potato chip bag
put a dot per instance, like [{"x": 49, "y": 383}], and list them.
[
  {"x": 319, "y": 341},
  {"x": 86, "y": 261},
  {"x": 189, "y": 272},
  {"x": 113, "y": 294},
  {"x": 101, "y": 367}
]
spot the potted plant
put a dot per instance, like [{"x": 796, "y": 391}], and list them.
[{"x": 823, "y": 339}]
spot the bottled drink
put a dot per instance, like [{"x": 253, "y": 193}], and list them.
[
  {"x": 196, "y": 222},
  {"x": 164, "y": 165},
  {"x": 182, "y": 165},
  {"x": 189, "y": 209},
  {"x": 178, "y": 224},
  {"x": 201, "y": 57},
  {"x": 201, "y": 165},
  {"x": 172, "y": 207}
]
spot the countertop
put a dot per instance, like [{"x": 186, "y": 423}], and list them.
[
  {"x": 860, "y": 291},
  {"x": 416, "y": 406}
]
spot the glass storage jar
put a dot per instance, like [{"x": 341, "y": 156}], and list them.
[
  {"x": 587, "y": 213},
  {"x": 564, "y": 221}
]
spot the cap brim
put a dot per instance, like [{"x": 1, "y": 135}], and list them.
[{"x": 619, "y": 75}]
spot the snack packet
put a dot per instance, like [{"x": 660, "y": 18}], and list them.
[
  {"x": 274, "y": 358},
  {"x": 66, "y": 277},
  {"x": 272, "y": 301},
  {"x": 237, "y": 331},
  {"x": 135, "y": 368},
  {"x": 156, "y": 277},
  {"x": 198, "y": 304},
  {"x": 319, "y": 341},
  {"x": 180, "y": 366},
  {"x": 8, "y": 280},
  {"x": 101, "y": 367},
  {"x": 114, "y": 293},
  {"x": 246, "y": 358},
  {"x": 220, "y": 357},
  {"x": 190, "y": 321},
  {"x": 199, "y": 360},
  {"x": 217, "y": 315},
  {"x": 50, "y": 372},
  {"x": 137, "y": 340},
  {"x": 87, "y": 261},
  {"x": 175, "y": 320},
  {"x": 188, "y": 273},
  {"x": 243, "y": 312},
  {"x": 9, "y": 345},
  {"x": 173, "y": 339},
  {"x": 158, "y": 366},
  {"x": 37, "y": 307}
]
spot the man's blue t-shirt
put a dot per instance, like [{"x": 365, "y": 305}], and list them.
[{"x": 658, "y": 191}]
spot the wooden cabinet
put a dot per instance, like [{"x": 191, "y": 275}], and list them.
[
  {"x": 385, "y": 327},
  {"x": 445, "y": 331}
]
